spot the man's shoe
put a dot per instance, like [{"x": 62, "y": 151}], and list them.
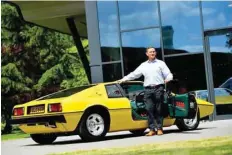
[
  {"x": 159, "y": 132},
  {"x": 151, "y": 133}
]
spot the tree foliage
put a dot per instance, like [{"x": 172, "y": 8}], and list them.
[{"x": 35, "y": 61}]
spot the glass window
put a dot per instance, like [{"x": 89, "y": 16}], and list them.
[
  {"x": 132, "y": 89},
  {"x": 138, "y": 14},
  {"x": 227, "y": 84},
  {"x": 217, "y": 14},
  {"x": 109, "y": 38},
  {"x": 134, "y": 46},
  {"x": 112, "y": 72},
  {"x": 221, "y": 58},
  {"x": 189, "y": 70},
  {"x": 65, "y": 93},
  {"x": 220, "y": 47},
  {"x": 222, "y": 92},
  {"x": 113, "y": 91},
  {"x": 203, "y": 94},
  {"x": 181, "y": 27}
]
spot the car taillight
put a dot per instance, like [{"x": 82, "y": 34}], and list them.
[
  {"x": 18, "y": 111},
  {"x": 55, "y": 107}
]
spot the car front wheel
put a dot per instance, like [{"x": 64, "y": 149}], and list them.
[
  {"x": 188, "y": 124},
  {"x": 43, "y": 138},
  {"x": 93, "y": 127}
]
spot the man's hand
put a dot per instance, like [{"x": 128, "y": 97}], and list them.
[
  {"x": 166, "y": 81},
  {"x": 120, "y": 81}
]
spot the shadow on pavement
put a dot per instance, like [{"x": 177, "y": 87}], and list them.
[{"x": 129, "y": 135}]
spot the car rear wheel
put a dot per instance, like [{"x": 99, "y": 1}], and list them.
[
  {"x": 93, "y": 126},
  {"x": 138, "y": 132},
  {"x": 188, "y": 124},
  {"x": 44, "y": 138}
]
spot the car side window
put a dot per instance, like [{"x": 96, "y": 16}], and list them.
[
  {"x": 132, "y": 89},
  {"x": 113, "y": 91}
]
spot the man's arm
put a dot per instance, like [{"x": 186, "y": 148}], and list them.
[
  {"x": 133, "y": 75},
  {"x": 166, "y": 73}
]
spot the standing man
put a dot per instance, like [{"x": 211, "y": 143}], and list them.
[{"x": 156, "y": 74}]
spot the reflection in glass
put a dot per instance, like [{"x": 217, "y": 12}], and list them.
[
  {"x": 109, "y": 39},
  {"x": 189, "y": 70},
  {"x": 112, "y": 72},
  {"x": 221, "y": 57},
  {"x": 138, "y": 14},
  {"x": 217, "y": 14},
  {"x": 134, "y": 46},
  {"x": 181, "y": 27}
]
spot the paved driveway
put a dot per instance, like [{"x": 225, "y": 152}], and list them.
[{"x": 119, "y": 139}]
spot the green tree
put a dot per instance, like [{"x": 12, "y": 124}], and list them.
[
  {"x": 35, "y": 61},
  {"x": 13, "y": 82}
]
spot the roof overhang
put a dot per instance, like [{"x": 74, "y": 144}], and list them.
[{"x": 53, "y": 14}]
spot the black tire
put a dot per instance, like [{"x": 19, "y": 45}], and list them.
[
  {"x": 183, "y": 126},
  {"x": 139, "y": 132},
  {"x": 44, "y": 138},
  {"x": 85, "y": 134}
]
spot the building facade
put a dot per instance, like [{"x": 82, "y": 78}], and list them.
[{"x": 193, "y": 38}]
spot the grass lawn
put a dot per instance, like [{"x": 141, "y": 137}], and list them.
[
  {"x": 14, "y": 135},
  {"x": 214, "y": 146}
]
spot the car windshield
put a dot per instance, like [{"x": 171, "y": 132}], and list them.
[
  {"x": 203, "y": 94},
  {"x": 222, "y": 92},
  {"x": 65, "y": 93}
]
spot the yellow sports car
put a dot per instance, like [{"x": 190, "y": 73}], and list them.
[{"x": 94, "y": 110}]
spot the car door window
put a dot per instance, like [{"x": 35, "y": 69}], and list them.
[
  {"x": 113, "y": 91},
  {"x": 132, "y": 89}
]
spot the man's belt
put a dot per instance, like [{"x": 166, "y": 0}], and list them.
[{"x": 154, "y": 86}]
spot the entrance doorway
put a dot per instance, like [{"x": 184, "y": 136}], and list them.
[{"x": 218, "y": 61}]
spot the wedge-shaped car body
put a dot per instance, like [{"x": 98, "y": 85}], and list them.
[{"x": 94, "y": 110}]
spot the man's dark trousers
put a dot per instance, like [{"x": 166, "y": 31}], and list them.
[{"x": 153, "y": 98}]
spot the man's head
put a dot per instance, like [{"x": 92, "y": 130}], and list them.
[{"x": 151, "y": 53}]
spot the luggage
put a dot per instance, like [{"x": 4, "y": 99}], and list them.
[{"x": 180, "y": 105}]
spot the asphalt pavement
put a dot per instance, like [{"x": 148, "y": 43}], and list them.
[{"x": 27, "y": 146}]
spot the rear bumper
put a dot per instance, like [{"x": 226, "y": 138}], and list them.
[
  {"x": 44, "y": 119},
  {"x": 59, "y": 123}
]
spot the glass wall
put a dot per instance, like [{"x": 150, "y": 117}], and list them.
[
  {"x": 109, "y": 40},
  {"x": 139, "y": 22},
  {"x": 138, "y": 14},
  {"x": 217, "y": 19},
  {"x": 112, "y": 72},
  {"x": 175, "y": 29},
  {"x": 181, "y": 27},
  {"x": 183, "y": 43},
  {"x": 220, "y": 47},
  {"x": 217, "y": 14},
  {"x": 134, "y": 45}
]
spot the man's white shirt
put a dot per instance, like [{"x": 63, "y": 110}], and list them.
[{"x": 154, "y": 72}]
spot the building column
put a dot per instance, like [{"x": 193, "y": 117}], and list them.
[{"x": 94, "y": 41}]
